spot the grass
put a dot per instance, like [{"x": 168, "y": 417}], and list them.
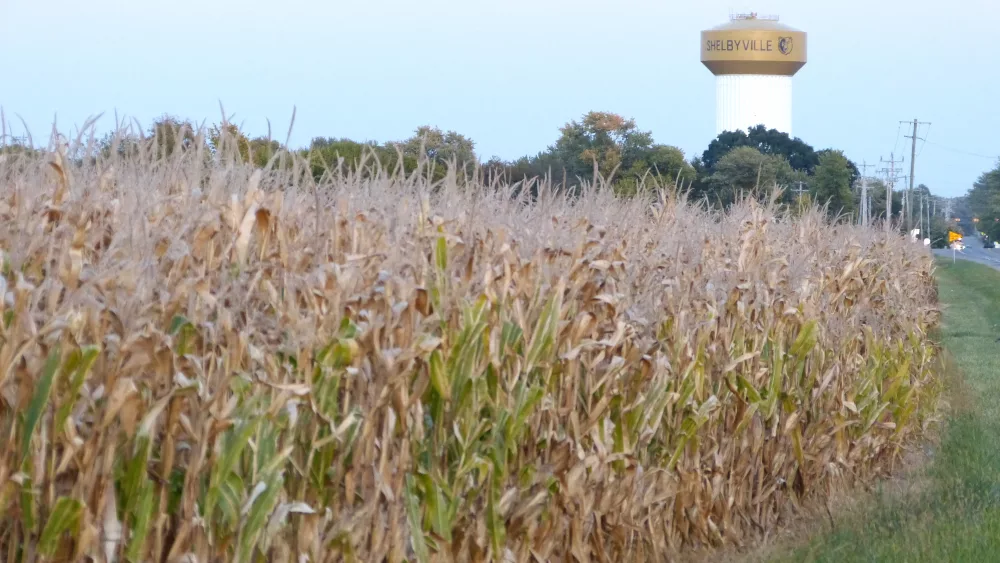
[
  {"x": 209, "y": 361},
  {"x": 956, "y": 514}
]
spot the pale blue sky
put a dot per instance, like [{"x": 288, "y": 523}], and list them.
[{"x": 507, "y": 74}]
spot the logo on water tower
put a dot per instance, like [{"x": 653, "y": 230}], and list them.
[{"x": 785, "y": 45}]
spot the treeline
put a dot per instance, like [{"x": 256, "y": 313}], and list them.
[
  {"x": 983, "y": 202},
  {"x": 623, "y": 155}
]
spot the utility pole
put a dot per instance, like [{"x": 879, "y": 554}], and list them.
[
  {"x": 800, "y": 191},
  {"x": 890, "y": 182},
  {"x": 865, "y": 203},
  {"x": 923, "y": 233},
  {"x": 913, "y": 158},
  {"x": 930, "y": 224}
]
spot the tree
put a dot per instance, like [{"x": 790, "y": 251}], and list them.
[
  {"x": 983, "y": 202},
  {"x": 877, "y": 190},
  {"x": 229, "y": 137},
  {"x": 855, "y": 173},
  {"x": 262, "y": 149},
  {"x": 800, "y": 156},
  {"x": 227, "y": 140},
  {"x": 662, "y": 164},
  {"x": 330, "y": 154},
  {"x": 611, "y": 141},
  {"x": 18, "y": 146},
  {"x": 170, "y": 134},
  {"x": 666, "y": 161},
  {"x": 746, "y": 171},
  {"x": 831, "y": 182},
  {"x": 442, "y": 148},
  {"x": 606, "y": 138}
]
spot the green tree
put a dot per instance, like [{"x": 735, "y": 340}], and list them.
[
  {"x": 169, "y": 134},
  {"x": 229, "y": 140},
  {"x": 831, "y": 183},
  {"x": 662, "y": 164},
  {"x": 347, "y": 156},
  {"x": 262, "y": 149},
  {"x": 611, "y": 141},
  {"x": 746, "y": 171},
  {"x": 877, "y": 190},
  {"x": 855, "y": 173},
  {"x": 441, "y": 148},
  {"x": 799, "y": 154},
  {"x": 983, "y": 202},
  {"x": 606, "y": 138},
  {"x": 229, "y": 137}
]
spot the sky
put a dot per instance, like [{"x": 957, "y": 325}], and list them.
[{"x": 507, "y": 74}]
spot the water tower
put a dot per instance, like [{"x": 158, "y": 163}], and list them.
[{"x": 753, "y": 59}]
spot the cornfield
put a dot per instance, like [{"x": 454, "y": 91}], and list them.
[{"x": 203, "y": 361}]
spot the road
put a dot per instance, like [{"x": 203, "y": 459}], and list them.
[{"x": 974, "y": 252}]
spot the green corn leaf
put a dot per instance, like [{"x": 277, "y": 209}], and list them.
[
  {"x": 348, "y": 329},
  {"x": 492, "y": 382},
  {"x": 439, "y": 378},
  {"x": 414, "y": 519},
  {"x": 747, "y": 417},
  {"x": 805, "y": 341},
  {"x": 544, "y": 334},
  {"x": 527, "y": 399},
  {"x": 494, "y": 523},
  {"x": 267, "y": 446},
  {"x": 65, "y": 517},
  {"x": 176, "y": 323},
  {"x": 256, "y": 517},
  {"x": 753, "y": 396},
  {"x": 902, "y": 376},
  {"x": 183, "y": 330},
  {"x": 322, "y": 460},
  {"x": 618, "y": 436},
  {"x": 80, "y": 363},
  {"x": 175, "y": 489},
  {"x": 510, "y": 338},
  {"x": 326, "y": 392},
  {"x": 42, "y": 391},
  {"x": 232, "y": 449},
  {"x": 678, "y": 452},
  {"x": 437, "y": 506},
  {"x": 231, "y": 492},
  {"x": 136, "y": 475},
  {"x": 441, "y": 254},
  {"x": 142, "y": 518},
  {"x": 29, "y": 505},
  {"x": 343, "y": 353},
  {"x": 499, "y": 441},
  {"x": 774, "y": 386},
  {"x": 687, "y": 387}
]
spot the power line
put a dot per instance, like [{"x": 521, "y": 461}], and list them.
[
  {"x": 899, "y": 129},
  {"x": 924, "y": 144},
  {"x": 952, "y": 149}
]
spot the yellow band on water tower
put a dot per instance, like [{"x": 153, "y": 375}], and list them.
[{"x": 776, "y": 52}]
